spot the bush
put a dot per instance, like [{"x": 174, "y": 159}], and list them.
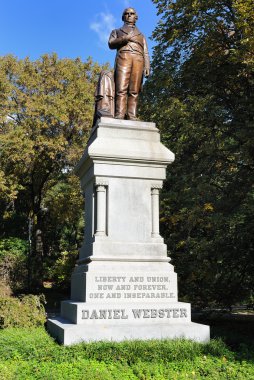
[
  {"x": 25, "y": 312},
  {"x": 5, "y": 290},
  {"x": 63, "y": 268},
  {"x": 13, "y": 263},
  {"x": 37, "y": 344},
  {"x": 33, "y": 354}
]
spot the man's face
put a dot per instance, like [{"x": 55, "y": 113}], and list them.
[{"x": 130, "y": 16}]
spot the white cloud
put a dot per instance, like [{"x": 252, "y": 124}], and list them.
[
  {"x": 126, "y": 3},
  {"x": 103, "y": 24}
]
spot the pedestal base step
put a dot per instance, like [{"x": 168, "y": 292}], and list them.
[{"x": 69, "y": 333}]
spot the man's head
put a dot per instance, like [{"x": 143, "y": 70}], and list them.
[{"x": 130, "y": 16}]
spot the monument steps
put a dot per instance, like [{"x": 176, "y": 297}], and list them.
[{"x": 67, "y": 333}]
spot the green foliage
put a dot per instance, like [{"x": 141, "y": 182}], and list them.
[
  {"x": 27, "y": 311},
  {"x": 45, "y": 117},
  {"x": 62, "y": 269},
  {"x": 41, "y": 346},
  {"x": 13, "y": 247},
  {"x": 199, "y": 95},
  {"x": 13, "y": 262},
  {"x": 32, "y": 354}
]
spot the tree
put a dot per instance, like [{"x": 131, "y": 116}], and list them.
[
  {"x": 45, "y": 116},
  {"x": 199, "y": 95}
]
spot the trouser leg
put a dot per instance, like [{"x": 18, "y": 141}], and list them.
[
  {"x": 122, "y": 78},
  {"x": 135, "y": 85}
]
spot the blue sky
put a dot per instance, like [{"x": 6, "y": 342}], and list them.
[{"x": 77, "y": 28}]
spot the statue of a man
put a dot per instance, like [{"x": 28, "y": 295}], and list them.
[{"x": 132, "y": 63}]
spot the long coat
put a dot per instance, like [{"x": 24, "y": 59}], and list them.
[{"x": 139, "y": 45}]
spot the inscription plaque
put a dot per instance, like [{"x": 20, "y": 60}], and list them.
[
  {"x": 136, "y": 313},
  {"x": 129, "y": 288}
]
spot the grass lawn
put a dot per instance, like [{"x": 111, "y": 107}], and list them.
[{"x": 32, "y": 354}]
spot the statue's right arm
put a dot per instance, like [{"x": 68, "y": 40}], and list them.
[{"x": 115, "y": 42}]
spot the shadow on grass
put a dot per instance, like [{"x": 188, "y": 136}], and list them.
[{"x": 237, "y": 331}]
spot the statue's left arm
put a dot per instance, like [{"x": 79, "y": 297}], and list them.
[
  {"x": 146, "y": 58},
  {"x": 116, "y": 42}
]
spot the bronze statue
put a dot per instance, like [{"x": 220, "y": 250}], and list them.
[{"x": 132, "y": 63}]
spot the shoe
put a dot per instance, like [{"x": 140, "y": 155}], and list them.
[
  {"x": 133, "y": 118},
  {"x": 119, "y": 117}
]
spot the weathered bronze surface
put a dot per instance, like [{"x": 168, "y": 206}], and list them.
[
  {"x": 105, "y": 95},
  {"x": 132, "y": 63}
]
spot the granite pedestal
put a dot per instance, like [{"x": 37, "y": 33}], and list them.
[{"x": 123, "y": 286}]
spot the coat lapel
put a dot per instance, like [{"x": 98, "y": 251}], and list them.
[
  {"x": 127, "y": 30},
  {"x": 136, "y": 32}
]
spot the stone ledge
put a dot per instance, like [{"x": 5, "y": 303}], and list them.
[
  {"x": 68, "y": 333},
  {"x": 124, "y": 141},
  {"x": 104, "y": 248},
  {"x": 112, "y": 122}
]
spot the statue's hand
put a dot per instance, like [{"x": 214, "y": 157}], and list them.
[
  {"x": 126, "y": 39},
  {"x": 146, "y": 72}
]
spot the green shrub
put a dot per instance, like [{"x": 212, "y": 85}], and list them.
[
  {"x": 36, "y": 343},
  {"x": 63, "y": 268},
  {"x": 30, "y": 353},
  {"x": 13, "y": 246},
  {"x": 25, "y": 312},
  {"x": 5, "y": 290},
  {"x": 13, "y": 263}
]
